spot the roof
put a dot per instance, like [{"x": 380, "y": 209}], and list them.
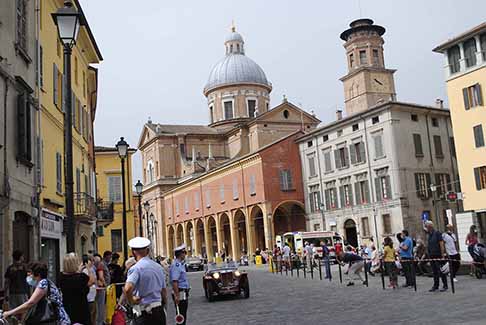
[
  {"x": 459, "y": 38},
  {"x": 369, "y": 111},
  {"x": 110, "y": 149},
  {"x": 88, "y": 29},
  {"x": 180, "y": 128},
  {"x": 362, "y": 24}
]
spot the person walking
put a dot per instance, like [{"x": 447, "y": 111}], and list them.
[
  {"x": 43, "y": 288},
  {"x": 180, "y": 284},
  {"x": 286, "y": 256},
  {"x": 116, "y": 273},
  {"x": 91, "y": 296},
  {"x": 308, "y": 256},
  {"x": 406, "y": 258},
  {"x": 325, "y": 259},
  {"x": 356, "y": 265},
  {"x": 450, "y": 243},
  {"x": 389, "y": 257},
  {"x": 436, "y": 250},
  {"x": 145, "y": 285},
  {"x": 16, "y": 289},
  {"x": 74, "y": 285},
  {"x": 103, "y": 281}
]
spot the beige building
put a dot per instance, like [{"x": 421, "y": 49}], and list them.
[
  {"x": 465, "y": 71},
  {"x": 240, "y": 122}
]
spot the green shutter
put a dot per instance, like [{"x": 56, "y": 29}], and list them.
[
  {"x": 351, "y": 198},
  {"x": 466, "y": 98},
  {"x": 357, "y": 193},
  {"x": 429, "y": 191},
  {"x": 54, "y": 84},
  {"x": 477, "y": 177},
  {"x": 417, "y": 185},
  {"x": 477, "y": 89},
  {"x": 362, "y": 152},
  {"x": 337, "y": 159},
  {"x": 352, "y": 152},
  {"x": 327, "y": 196},
  {"x": 379, "y": 195},
  {"x": 341, "y": 196},
  {"x": 388, "y": 187},
  {"x": 346, "y": 157},
  {"x": 367, "y": 191}
]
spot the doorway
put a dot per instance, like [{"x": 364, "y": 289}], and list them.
[{"x": 351, "y": 232}]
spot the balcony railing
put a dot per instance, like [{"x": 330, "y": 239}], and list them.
[
  {"x": 105, "y": 212},
  {"x": 84, "y": 207}
]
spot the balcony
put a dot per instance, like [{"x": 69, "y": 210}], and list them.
[
  {"x": 84, "y": 207},
  {"x": 105, "y": 213}
]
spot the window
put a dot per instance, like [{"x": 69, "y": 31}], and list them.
[
  {"x": 208, "y": 198},
  {"x": 211, "y": 114},
  {"x": 116, "y": 240},
  {"x": 422, "y": 184},
  {"x": 362, "y": 192},
  {"x": 221, "y": 193},
  {"x": 327, "y": 161},
  {"x": 439, "y": 153},
  {"x": 314, "y": 198},
  {"x": 228, "y": 109},
  {"x": 351, "y": 60},
  {"x": 325, "y": 137},
  {"x": 355, "y": 127},
  {"x": 365, "y": 227},
  {"x": 78, "y": 180},
  {"x": 331, "y": 198},
  {"x": 363, "y": 59},
  {"x": 480, "y": 177},
  {"x": 472, "y": 96},
  {"x": 186, "y": 205},
  {"x": 286, "y": 180},
  {"x": 470, "y": 52},
  {"x": 114, "y": 188},
  {"x": 312, "y": 165},
  {"x": 346, "y": 195},
  {"x": 286, "y": 114},
  {"x": 387, "y": 229},
  {"x": 478, "y": 136},
  {"x": 483, "y": 46},
  {"x": 378, "y": 143},
  {"x": 383, "y": 188},
  {"x": 339, "y": 133},
  {"x": 357, "y": 152},
  {"x": 24, "y": 129},
  {"x": 435, "y": 122},
  {"x": 341, "y": 157},
  {"x": 150, "y": 172},
  {"x": 375, "y": 119},
  {"x": 21, "y": 20},
  {"x": 58, "y": 173},
  {"x": 177, "y": 208},
  {"x": 235, "y": 189},
  {"x": 251, "y": 103},
  {"x": 317, "y": 227},
  {"x": 376, "y": 58},
  {"x": 443, "y": 183},
  {"x": 197, "y": 201},
  {"x": 252, "y": 185},
  {"x": 309, "y": 144},
  {"x": 417, "y": 142},
  {"x": 454, "y": 56},
  {"x": 414, "y": 117}
]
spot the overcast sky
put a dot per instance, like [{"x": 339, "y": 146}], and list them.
[{"x": 158, "y": 54}]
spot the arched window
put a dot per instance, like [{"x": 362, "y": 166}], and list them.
[
  {"x": 150, "y": 172},
  {"x": 454, "y": 56},
  {"x": 211, "y": 115},
  {"x": 231, "y": 48},
  {"x": 238, "y": 48},
  {"x": 470, "y": 52}
]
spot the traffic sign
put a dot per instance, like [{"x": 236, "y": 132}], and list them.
[
  {"x": 425, "y": 215},
  {"x": 451, "y": 196}
]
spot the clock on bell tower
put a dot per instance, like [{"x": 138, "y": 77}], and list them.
[{"x": 368, "y": 82}]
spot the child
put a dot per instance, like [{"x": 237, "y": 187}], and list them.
[{"x": 389, "y": 259}]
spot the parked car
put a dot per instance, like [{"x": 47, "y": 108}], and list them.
[
  {"x": 225, "y": 279},
  {"x": 194, "y": 263}
]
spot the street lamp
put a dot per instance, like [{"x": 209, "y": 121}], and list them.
[
  {"x": 433, "y": 189},
  {"x": 146, "y": 207},
  {"x": 156, "y": 238},
  {"x": 321, "y": 207},
  {"x": 122, "y": 147},
  {"x": 68, "y": 21},
  {"x": 138, "y": 189}
]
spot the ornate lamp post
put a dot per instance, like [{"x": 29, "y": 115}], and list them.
[
  {"x": 68, "y": 21},
  {"x": 146, "y": 207},
  {"x": 122, "y": 147},
  {"x": 138, "y": 189},
  {"x": 433, "y": 189}
]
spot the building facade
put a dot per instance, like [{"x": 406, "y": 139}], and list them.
[
  {"x": 370, "y": 175},
  {"x": 465, "y": 73},
  {"x": 19, "y": 225},
  {"x": 241, "y": 121}
]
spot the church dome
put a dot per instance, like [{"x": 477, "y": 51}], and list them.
[{"x": 235, "y": 67}]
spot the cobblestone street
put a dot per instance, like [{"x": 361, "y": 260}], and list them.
[{"x": 280, "y": 299}]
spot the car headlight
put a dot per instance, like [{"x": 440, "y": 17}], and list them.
[
  {"x": 216, "y": 275},
  {"x": 237, "y": 273}
]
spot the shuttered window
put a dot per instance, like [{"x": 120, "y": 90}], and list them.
[
  {"x": 286, "y": 180},
  {"x": 55, "y": 83},
  {"x": 21, "y": 21},
  {"x": 387, "y": 228},
  {"x": 114, "y": 188},
  {"x": 357, "y": 153},
  {"x": 378, "y": 144},
  {"x": 24, "y": 129},
  {"x": 116, "y": 240},
  {"x": 362, "y": 192},
  {"x": 58, "y": 173},
  {"x": 327, "y": 161},
  {"x": 443, "y": 183},
  {"x": 365, "y": 227},
  {"x": 252, "y": 185},
  {"x": 480, "y": 177},
  {"x": 341, "y": 157},
  {"x": 472, "y": 96},
  {"x": 454, "y": 55},
  {"x": 346, "y": 195},
  {"x": 470, "y": 52},
  {"x": 383, "y": 188},
  {"x": 197, "y": 201},
  {"x": 221, "y": 193},
  {"x": 439, "y": 153},
  {"x": 314, "y": 198},
  {"x": 417, "y": 142},
  {"x": 478, "y": 136},
  {"x": 363, "y": 59},
  {"x": 236, "y": 193},
  {"x": 331, "y": 198},
  {"x": 78, "y": 180},
  {"x": 422, "y": 185},
  {"x": 312, "y": 165}
]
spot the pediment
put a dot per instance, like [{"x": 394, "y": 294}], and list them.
[{"x": 287, "y": 113}]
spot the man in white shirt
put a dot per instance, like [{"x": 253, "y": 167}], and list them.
[
  {"x": 450, "y": 243},
  {"x": 286, "y": 255}
]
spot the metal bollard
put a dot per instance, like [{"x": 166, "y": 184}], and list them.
[
  {"x": 366, "y": 273},
  {"x": 281, "y": 268},
  {"x": 320, "y": 271},
  {"x": 453, "y": 288},
  {"x": 305, "y": 272},
  {"x": 340, "y": 273},
  {"x": 312, "y": 268},
  {"x": 382, "y": 266},
  {"x": 414, "y": 275},
  {"x": 298, "y": 266}
]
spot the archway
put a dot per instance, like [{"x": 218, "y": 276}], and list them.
[
  {"x": 200, "y": 238},
  {"x": 179, "y": 235},
  {"x": 351, "y": 232},
  {"x": 258, "y": 227},
  {"x": 190, "y": 236},
  {"x": 224, "y": 224},
  {"x": 170, "y": 240},
  {"x": 22, "y": 233},
  {"x": 213, "y": 237},
  {"x": 289, "y": 216},
  {"x": 240, "y": 232}
]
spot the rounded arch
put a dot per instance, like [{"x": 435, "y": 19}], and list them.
[
  {"x": 190, "y": 235},
  {"x": 240, "y": 233},
  {"x": 225, "y": 235},
  {"x": 170, "y": 239},
  {"x": 179, "y": 238},
  {"x": 351, "y": 232},
  {"x": 212, "y": 237},
  {"x": 200, "y": 243},
  {"x": 289, "y": 216},
  {"x": 257, "y": 227}
]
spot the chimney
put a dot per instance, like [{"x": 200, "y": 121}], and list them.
[
  {"x": 439, "y": 103},
  {"x": 339, "y": 114}
]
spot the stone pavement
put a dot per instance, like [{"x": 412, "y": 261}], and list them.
[{"x": 281, "y": 299}]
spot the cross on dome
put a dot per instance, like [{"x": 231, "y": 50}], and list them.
[{"x": 234, "y": 42}]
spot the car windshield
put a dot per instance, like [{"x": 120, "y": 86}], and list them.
[
  {"x": 193, "y": 259},
  {"x": 226, "y": 265}
]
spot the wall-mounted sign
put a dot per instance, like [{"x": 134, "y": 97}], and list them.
[{"x": 50, "y": 225}]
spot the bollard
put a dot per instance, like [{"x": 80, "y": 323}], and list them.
[
  {"x": 382, "y": 267},
  {"x": 414, "y": 275},
  {"x": 291, "y": 270},
  {"x": 298, "y": 266},
  {"x": 312, "y": 268},
  {"x": 320, "y": 271},
  {"x": 305, "y": 272},
  {"x": 340, "y": 273},
  {"x": 453, "y": 288},
  {"x": 282, "y": 267},
  {"x": 366, "y": 274},
  {"x": 286, "y": 271},
  {"x": 272, "y": 268}
]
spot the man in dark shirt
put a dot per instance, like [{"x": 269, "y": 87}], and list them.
[
  {"x": 116, "y": 273},
  {"x": 325, "y": 259},
  {"x": 16, "y": 288},
  {"x": 436, "y": 250},
  {"x": 356, "y": 265}
]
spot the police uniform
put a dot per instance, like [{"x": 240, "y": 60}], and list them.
[
  {"x": 178, "y": 273},
  {"x": 148, "y": 278}
]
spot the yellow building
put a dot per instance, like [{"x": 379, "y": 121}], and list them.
[
  {"x": 109, "y": 188},
  {"x": 465, "y": 69},
  {"x": 51, "y": 139}
]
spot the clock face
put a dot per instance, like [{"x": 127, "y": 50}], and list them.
[{"x": 379, "y": 83}]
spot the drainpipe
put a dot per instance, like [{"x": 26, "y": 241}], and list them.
[{"x": 320, "y": 184}]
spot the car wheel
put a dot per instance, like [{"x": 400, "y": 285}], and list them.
[
  {"x": 209, "y": 293},
  {"x": 246, "y": 290},
  {"x": 479, "y": 273}
]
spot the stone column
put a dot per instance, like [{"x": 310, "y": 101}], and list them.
[
  {"x": 234, "y": 244},
  {"x": 479, "y": 53},
  {"x": 219, "y": 234},
  {"x": 185, "y": 237},
  {"x": 462, "y": 61},
  {"x": 250, "y": 232},
  {"x": 195, "y": 239},
  {"x": 207, "y": 240},
  {"x": 267, "y": 226}
]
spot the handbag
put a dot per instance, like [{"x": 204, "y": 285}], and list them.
[{"x": 45, "y": 311}]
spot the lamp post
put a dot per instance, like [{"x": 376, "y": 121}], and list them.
[
  {"x": 146, "y": 207},
  {"x": 156, "y": 237},
  {"x": 68, "y": 21},
  {"x": 122, "y": 147},
  {"x": 433, "y": 189},
  {"x": 322, "y": 206},
  {"x": 138, "y": 189}
]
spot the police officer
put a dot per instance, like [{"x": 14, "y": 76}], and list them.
[
  {"x": 178, "y": 278},
  {"x": 145, "y": 285}
]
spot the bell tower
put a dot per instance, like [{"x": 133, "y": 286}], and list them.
[{"x": 368, "y": 81}]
